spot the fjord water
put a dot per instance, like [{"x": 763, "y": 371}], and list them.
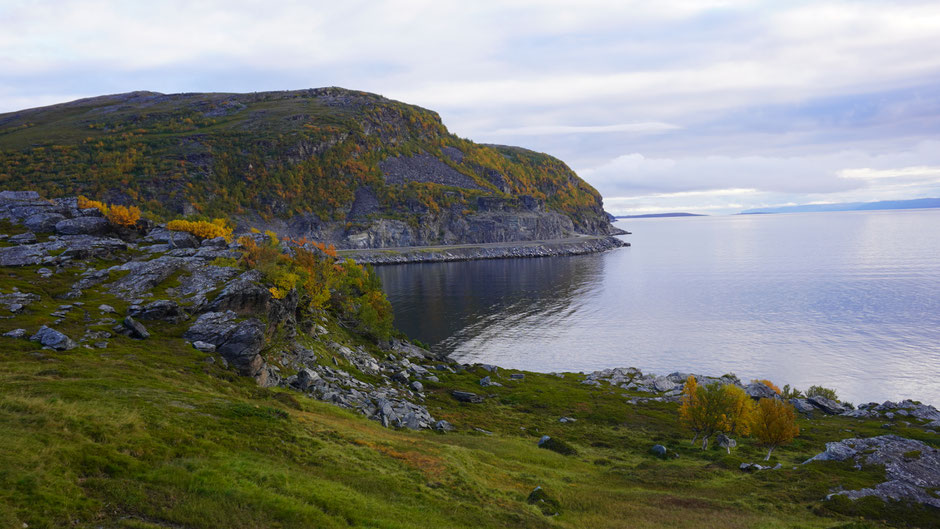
[{"x": 849, "y": 300}]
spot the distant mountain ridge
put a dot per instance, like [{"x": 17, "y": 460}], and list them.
[
  {"x": 917, "y": 203},
  {"x": 659, "y": 215},
  {"x": 350, "y": 168}
]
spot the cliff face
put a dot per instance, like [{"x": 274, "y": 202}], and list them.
[{"x": 351, "y": 168}]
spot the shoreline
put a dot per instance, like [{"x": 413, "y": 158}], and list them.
[{"x": 472, "y": 252}]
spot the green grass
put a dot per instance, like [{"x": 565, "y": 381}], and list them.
[{"x": 148, "y": 434}]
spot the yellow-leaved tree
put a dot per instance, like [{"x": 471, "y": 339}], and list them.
[
  {"x": 714, "y": 408},
  {"x": 774, "y": 424}
]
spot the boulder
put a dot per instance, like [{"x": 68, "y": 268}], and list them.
[
  {"x": 244, "y": 295},
  {"x": 466, "y": 396},
  {"x": 802, "y": 405},
  {"x": 658, "y": 450},
  {"x": 758, "y": 390},
  {"x": 306, "y": 377},
  {"x": 663, "y": 384},
  {"x": 416, "y": 386},
  {"x": 556, "y": 445},
  {"x": 83, "y": 226},
  {"x": 16, "y": 333},
  {"x": 135, "y": 329},
  {"x": 726, "y": 442},
  {"x": 239, "y": 343},
  {"x": 43, "y": 222},
  {"x": 828, "y": 406},
  {"x": 443, "y": 426},
  {"x": 54, "y": 339}
]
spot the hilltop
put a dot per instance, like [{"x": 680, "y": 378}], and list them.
[{"x": 344, "y": 167}]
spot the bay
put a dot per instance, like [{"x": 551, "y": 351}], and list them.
[{"x": 848, "y": 300}]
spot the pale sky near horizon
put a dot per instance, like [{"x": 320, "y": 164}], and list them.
[{"x": 705, "y": 106}]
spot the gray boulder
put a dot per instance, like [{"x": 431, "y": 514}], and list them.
[
  {"x": 443, "y": 426},
  {"x": 802, "y": 405},
  {"x": 912, "y": 468},
  {"x": 658, "y": 450},
  {"x": 663, "y": 384},
  {"x": 83, "y": 226},
  {"x": 416, "y": 386},
  {"x": 244, "y": 295},
  {"x": 239, "y": 342},
  {"x": 758, "y": 390},
  {"x": 306, "y": 377},
  {"x": 828, "y": 406},
  {"x": 135, "y": 329},
  {"x": 43, "y": 222},
  {"x": 726, "y": 442},
  {"x": 16, "y": 333},
  {"x": 466, "y": 396},
  {"x": 54, "y": 339}
]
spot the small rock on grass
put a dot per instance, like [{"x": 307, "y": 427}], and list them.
[
  {"x": 52, "y": 338},
  {"x": 16, "y": 333}
]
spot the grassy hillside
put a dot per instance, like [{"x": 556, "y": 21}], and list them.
[
  {"x": 274, "y": 154},
  {"x": 156, "y": 434}
]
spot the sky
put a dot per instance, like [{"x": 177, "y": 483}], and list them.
[{"x": 702, "y": 106}]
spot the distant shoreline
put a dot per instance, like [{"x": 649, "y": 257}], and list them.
[
  {"x": 471, "y": 252},
  {"x": 659, "y": 215}
]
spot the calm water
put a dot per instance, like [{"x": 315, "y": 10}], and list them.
[{"x": 847, "y": 300}]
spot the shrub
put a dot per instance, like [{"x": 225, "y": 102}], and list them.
[
  {"x": 86, "y": 203},
  {"x": 791, "y": 393},
  {"x": 123, "y": 216},
  {"x": 774, "y": 424},
  {"x": 819, "y": 391},
  {"x": 202, "y": 229}
]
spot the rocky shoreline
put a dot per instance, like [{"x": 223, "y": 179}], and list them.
[{"x": 583, "y": 246}]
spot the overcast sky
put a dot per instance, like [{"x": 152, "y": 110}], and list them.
[{"x": 688, "y": 105}]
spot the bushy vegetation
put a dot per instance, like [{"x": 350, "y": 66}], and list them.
[
  {"x": 727, "y": 409},
  {"x": 819, "y": 391},
  {"x": 202, "y": 228},
  {"x": 117, "y": 215},
  {"x": 350, "y": 291}
]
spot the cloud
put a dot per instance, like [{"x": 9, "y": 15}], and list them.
[
  {"x": 867, "y": 173},
  {"x": 796, "y": 101},
  {"x": 650, "y": 127}
]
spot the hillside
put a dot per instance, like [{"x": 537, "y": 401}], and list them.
[
  {"x": 345, "y": 167},
  {"x": 153, "y": 379}
]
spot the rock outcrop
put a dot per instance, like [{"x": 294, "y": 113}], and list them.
[{"x": 912, "y": 468}]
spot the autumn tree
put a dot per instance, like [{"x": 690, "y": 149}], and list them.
[
  {"x": 774, "y": 424},
  {"x": 714, "y": 408},
  {"x": 740, "y": 411}
]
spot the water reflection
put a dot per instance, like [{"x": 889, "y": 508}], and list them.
[
  {"x": 847, "y": 300},
  {"x": 448, "y": 304}
]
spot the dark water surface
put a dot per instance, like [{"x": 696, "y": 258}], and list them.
[{"x": 849, "y": 300}]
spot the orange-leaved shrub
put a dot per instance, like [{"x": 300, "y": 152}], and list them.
[
  {"x": 202, "y": 228},
  {"x": 122, "y": 215},
  {"x": 86, "y": 203}
]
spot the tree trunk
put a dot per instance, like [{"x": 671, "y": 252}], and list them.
[
  {"x": 705, "y": 443},
  {"x": 695, "y": 438},
  {"x": 768, "y": 454},
  {"x": 729, "y": 449}
]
